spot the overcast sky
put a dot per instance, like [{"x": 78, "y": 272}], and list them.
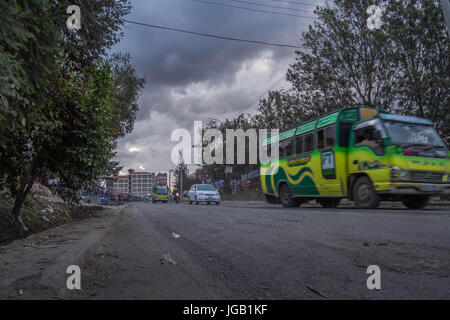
[{"x": 189, "y": 77}]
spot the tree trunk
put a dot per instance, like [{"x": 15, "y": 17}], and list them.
[{"x": 21, "y": 195}]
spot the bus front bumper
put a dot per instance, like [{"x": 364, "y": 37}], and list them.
[{"x": 419, "y": 188}]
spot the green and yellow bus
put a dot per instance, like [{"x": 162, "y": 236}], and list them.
[
  {"x": 160, "y": 193},
  {"x": 360, "y": 153}
]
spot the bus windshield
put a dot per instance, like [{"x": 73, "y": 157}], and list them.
[
  {"x": 161, "y": 190},
  {"x": 403, "y": 133}
]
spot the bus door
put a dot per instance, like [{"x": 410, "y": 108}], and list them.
[
  {"x": 367, "y": 153},
  {"x": 302, "y": 163},
  {"x": 329, "y": 161}
]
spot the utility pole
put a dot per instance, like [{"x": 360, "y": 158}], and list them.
[
  {"x": 181, "y": 185},
  {"x": 181, "y": 177},
  {"x": 445, "y": 4}
]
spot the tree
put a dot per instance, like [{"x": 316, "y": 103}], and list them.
[
  {"x": 112, "y": 169},
  {"x": 217, "y": 171},
  {"x": 125, "y": 85},
  {"x": 421, "y": 49},
  {"x": 29, "y": 48},
  {"x": 73, "y": 130},
  {"x": 71, "y": 138},
  {"x": 279, "y": 111},
  {"x": 344, "y": 63},
  {"x": 181, "y": 173},
  {"x": 34, "y": 40}
]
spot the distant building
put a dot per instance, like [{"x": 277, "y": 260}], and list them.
[
  {"x": 121, "y": 184},
  {"x": 161, "y": 179},
  {"x": 141, "y": 183},
  {"x": 136, "y": 183}
]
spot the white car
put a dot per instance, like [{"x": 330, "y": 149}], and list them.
[{"x": 204, "y": 193}]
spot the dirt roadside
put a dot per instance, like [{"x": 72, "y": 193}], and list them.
[{"x": 35, "y": 267}]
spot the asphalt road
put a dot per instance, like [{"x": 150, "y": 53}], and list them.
[{"x": 249, "y": 251}]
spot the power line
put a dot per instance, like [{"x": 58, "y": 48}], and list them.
[
  {"x": 252, "y": 9},
  {"x": 215, "y": 36},
  {"x": 300, "y": 3},
  {"x": 270, "y": 6}
]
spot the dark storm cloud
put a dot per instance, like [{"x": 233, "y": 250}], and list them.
[{"x": 192, "y": 78}]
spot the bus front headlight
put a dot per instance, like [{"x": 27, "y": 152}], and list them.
[
  {"x": 398, "y": 173},
  {"x": 404, "y": 175}
]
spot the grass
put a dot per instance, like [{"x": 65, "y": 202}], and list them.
[
  {"x": 34, "y": 214},
  {"x": 251, "y": 195},
  {"x": 37, "y": 215}
]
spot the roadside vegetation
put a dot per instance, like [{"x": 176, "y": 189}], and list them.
[
  {"x": 64, "y": 100},
  {"x": 38, "y": 214}
]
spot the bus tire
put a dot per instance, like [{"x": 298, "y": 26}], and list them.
[
  {"x": 286, "y": 198},
  {"x": 271, "y": 199},
  {"x": 417, "y": 202},
  {"x": 364, "y": 194},
  {"x": 329, "y": 202}
]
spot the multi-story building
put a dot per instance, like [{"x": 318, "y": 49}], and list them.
[
  {"x": 136, "y": 183},
  {"x": 161, "y": 179},
  {"x": 141, "y": 183},
  {"x": 121, "y": 184}
]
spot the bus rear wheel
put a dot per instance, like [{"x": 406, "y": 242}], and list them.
[
  {"x": 286, "y": 198},
  {"x": 364, "y": 194},
  {"x": 417, "y": 203},
  {"x": 329, "y": 202}
]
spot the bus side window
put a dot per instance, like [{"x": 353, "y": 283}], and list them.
[
  {"x": 281, "y": 149},
  {"x": 320, "y": 138},
  {"x": 326, "y": 137},
  {"x": 288, "y": 148},
  {"x": 309, "y": 143},
  {"x": 299, "y": 144},
  {"x": 330, "y": 136}
]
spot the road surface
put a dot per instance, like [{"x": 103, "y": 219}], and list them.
[{"x": 259, "y": 251}]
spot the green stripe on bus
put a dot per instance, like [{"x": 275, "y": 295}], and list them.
[
  {"x": 306, "y": 127},
  {"x": 327, "y": 120},
  {"x": 287, "y": 134}
]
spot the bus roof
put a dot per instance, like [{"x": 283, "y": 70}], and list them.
[
  {"x": 349, "y": 114},
  {"x": 409, "y": 119}
]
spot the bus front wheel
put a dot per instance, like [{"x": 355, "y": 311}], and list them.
[
  {"x": 286, "y": 198},
  {"x": 364, "y": 194}
]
